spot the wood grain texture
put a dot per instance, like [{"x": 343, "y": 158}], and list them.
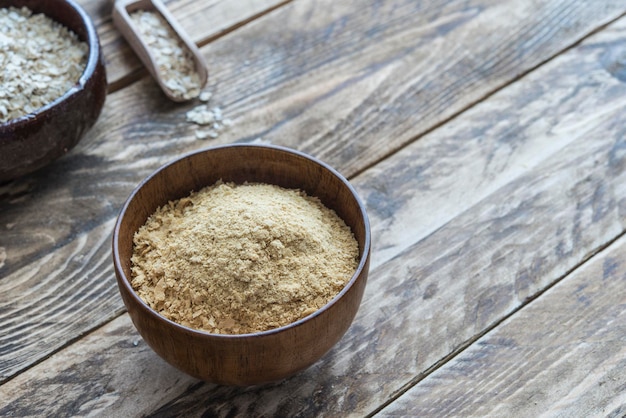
[
  {"x": 525, "y": 229},
  {"x": 435, "y": 179},
  {"x": 201, "y": 20},
  {"x": 33, "y": 321},
  {"x": 563, "y": 355},
  {"x": 63, "y": 386},
  {"x": 352, "y": 86}
]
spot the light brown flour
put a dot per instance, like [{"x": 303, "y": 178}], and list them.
[{"x": 234, "y": 259}]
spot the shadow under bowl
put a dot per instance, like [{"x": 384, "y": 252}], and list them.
[
  {"x": 254, "y": 358},
  {"x": 32, "y": 141}
]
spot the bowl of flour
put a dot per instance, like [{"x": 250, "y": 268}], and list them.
[
  {"x": 242, "y": 264},
  {"x": 52, "y": 83}
]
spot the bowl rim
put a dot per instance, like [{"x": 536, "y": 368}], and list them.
[
  {"x": 93, "y": 57},
  {"x": 363, "y": 262}
]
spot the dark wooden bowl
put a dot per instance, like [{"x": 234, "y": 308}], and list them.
[
  {"x": 244, "y": 359},
  {"x": 35, "y": 140}
]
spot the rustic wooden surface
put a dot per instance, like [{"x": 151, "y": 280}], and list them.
[
  {"x": 565, "y": 351},
  {"x": 487, "y": 140}
]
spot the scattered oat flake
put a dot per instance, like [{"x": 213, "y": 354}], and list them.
[
  {"x": 205, "y": 96},
  {"x": 202, "y": 134},
  {"x": 201, "y": 115},
  {"x": 206, "y": 134},
  {"x": 217, "y": 113},
  {"x": 205, "y": 116}
]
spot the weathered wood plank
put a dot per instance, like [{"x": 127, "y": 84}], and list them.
[
  {"x": 97, "y": 393},
  {"x": 480, "y": 264},
  {"x": 351, "y": 87},
  {"x": 563, "y": 355},
  {"x": 32, "y": 320},
  {"x": 202, "y": 20}
]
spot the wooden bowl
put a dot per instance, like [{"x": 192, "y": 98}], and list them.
[
  {"x": 32, "y": 141},
  {"x": 243, "y": 359}
]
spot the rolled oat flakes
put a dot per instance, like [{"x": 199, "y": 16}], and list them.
[
  {"x": 174, "y": 61},
  {"x": 40, "y": 60}
]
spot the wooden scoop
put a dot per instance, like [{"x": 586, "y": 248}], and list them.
[{"x": 124, "y": 23}]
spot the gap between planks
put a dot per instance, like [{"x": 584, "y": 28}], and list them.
[
  {"x": 486, "y": 96},
  {"x": 139, "y": 74},
  {"x": 443, "y": 361},
  {"x": 64, "y": 346}
]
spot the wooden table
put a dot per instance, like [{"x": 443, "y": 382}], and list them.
[{"x": 488, "y": 140}]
